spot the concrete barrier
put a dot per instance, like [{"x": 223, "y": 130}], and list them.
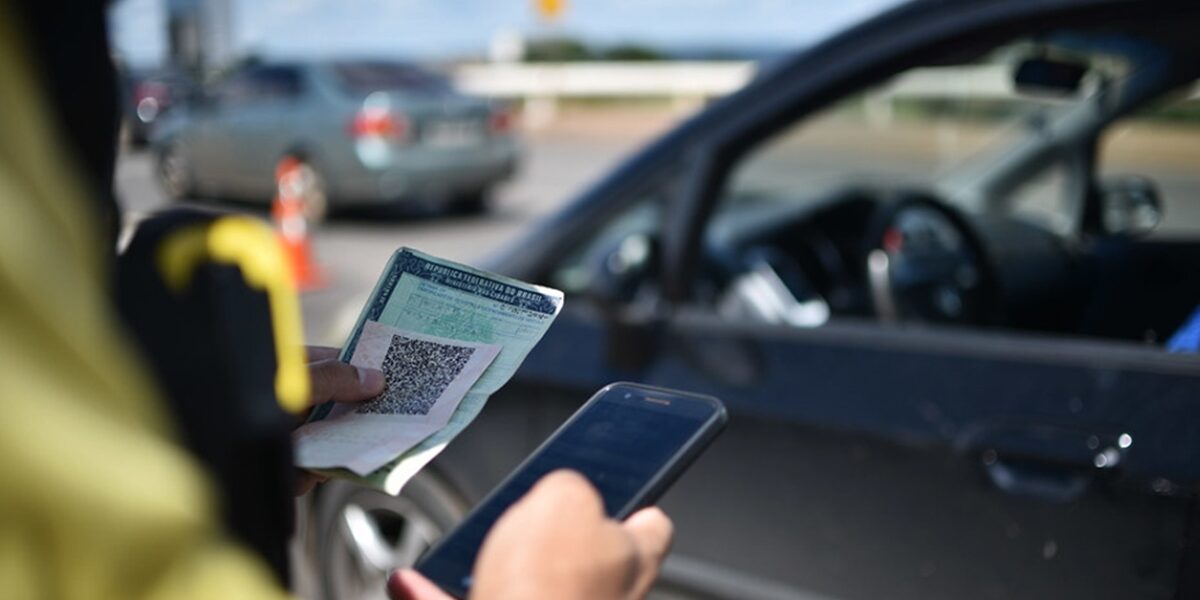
[
  {"x": 690, "y": 84},
  {"x": 541, "y": 85}
]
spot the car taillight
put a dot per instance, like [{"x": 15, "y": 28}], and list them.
[
  {"x": 148, "y": 89},
  {"x": 378, "y": 123},
  {"x": 501, "y": 121}
]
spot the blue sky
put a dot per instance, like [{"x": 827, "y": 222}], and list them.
[{"x": 440, "y": 28}]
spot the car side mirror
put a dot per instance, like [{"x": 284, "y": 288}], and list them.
[
  {"x": 618, "y": 269},
  {"x": 1130, "y": 205},
  {"x": 618, "y": 273},
  {"x": 1046, "y": 75}
]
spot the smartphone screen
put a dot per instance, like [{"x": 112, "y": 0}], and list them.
[{"x": 630, "y": 441}]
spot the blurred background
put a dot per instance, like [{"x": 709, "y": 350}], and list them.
[{"x": 553, "y": 95}]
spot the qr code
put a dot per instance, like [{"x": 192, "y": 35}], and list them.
[{"x": 416, "y": 372}]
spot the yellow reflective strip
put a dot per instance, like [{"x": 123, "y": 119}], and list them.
[
  {"x": 252, "y": 246},
  {"x": 179, "y": 255}
]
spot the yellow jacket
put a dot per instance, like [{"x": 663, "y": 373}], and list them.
[{"x": 97, "y": 500}]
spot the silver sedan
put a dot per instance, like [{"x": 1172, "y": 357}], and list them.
[{"x": 365, "y": 133}]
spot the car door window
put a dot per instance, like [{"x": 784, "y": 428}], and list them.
[
  {"x": 796, "y": 212},
  {"x": 992, "y": 181},
  {"x": 277, "y": 83},
  {"x": 946, "y": 195},
  {"x": 258, "y": 85},
  {"x": 913, "y": 131}
]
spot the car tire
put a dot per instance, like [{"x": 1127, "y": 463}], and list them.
[
  {"x": 471, "y": 203},
  {"x": 362, "y": 534},
  {"x": 313, "y": 191},
  {"x": 174, "y": 172}
]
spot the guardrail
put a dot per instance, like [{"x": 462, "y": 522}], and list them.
[
  {"x": 690, "y": 84},
  {"x": 604, "y": 79},
  {"x": 702, "y": 80},
  {"x": 541, "y": 85}
]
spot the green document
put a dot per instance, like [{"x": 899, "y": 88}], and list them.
[{"x": 431, "y": 324}]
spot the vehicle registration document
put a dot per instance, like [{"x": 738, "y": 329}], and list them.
[{"x": 446, "y": 337}]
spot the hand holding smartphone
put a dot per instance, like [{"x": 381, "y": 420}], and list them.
[{"x": 629, "y": 441}]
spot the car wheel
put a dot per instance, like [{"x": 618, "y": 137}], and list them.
[
  {"x": 312, "y": 191},
  {"x": 174, "y": 172},
  {"x": 471, "y": 203},
  {"x": 364, "y": 534}
]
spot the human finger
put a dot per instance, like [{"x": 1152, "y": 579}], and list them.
[
  {"x": 565, "y": 489},
  {"x": 651, "y": 531},
  {"x": 307, "y": 480},
  {"x": 407, "y": 584},
  {"x": 340, "y": 382}
]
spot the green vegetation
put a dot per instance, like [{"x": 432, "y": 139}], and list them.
[
  {"x": 556, "y": 50},
  {"x": 565, "y": 49},
  {"x": 1175, "y": 108},
  {"x": 631, "y": 52}
]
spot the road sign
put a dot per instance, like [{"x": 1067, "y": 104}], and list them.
[{"x": 550, "y": 9}]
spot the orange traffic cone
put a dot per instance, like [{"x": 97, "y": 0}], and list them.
[{"x": 292, "y": 224}]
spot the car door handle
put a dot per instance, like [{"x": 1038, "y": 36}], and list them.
[
  {"x": 1051, "y": 462},
  {"x": 1057, "y": 484}
]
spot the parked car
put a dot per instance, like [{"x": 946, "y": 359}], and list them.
[
  {"x": 150, "y": 94},
  {"x": 931, "y": 265},
  {"x": 367, "y": 133}
]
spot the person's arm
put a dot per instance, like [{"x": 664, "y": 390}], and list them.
[{"x": 556, "y": 543}]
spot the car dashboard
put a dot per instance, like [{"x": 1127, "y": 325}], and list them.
[{"x": 906, "y": 257}]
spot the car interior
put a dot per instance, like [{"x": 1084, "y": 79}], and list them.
[{"x": 1018, "y": 188}]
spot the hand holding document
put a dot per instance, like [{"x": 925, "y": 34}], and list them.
[
  {"x": 446, "y": 337},
  {"x": 426, "y": 379}
]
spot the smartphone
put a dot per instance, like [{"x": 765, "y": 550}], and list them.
[{"x": 631, "y": 441}]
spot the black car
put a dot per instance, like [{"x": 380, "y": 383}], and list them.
[{"x": 934, "y": 266}]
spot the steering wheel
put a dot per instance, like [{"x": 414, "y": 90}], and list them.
[{"x": 926, "y": 263}]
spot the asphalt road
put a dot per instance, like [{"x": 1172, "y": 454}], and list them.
[{"x": 352, "y": 250}]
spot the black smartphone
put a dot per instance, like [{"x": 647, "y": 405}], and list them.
[{"x": 631, "y": 441}]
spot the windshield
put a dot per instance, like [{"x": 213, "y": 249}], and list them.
[
  {"x": 988, "y": 134},
  {"x": 364, "y": 77}
]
